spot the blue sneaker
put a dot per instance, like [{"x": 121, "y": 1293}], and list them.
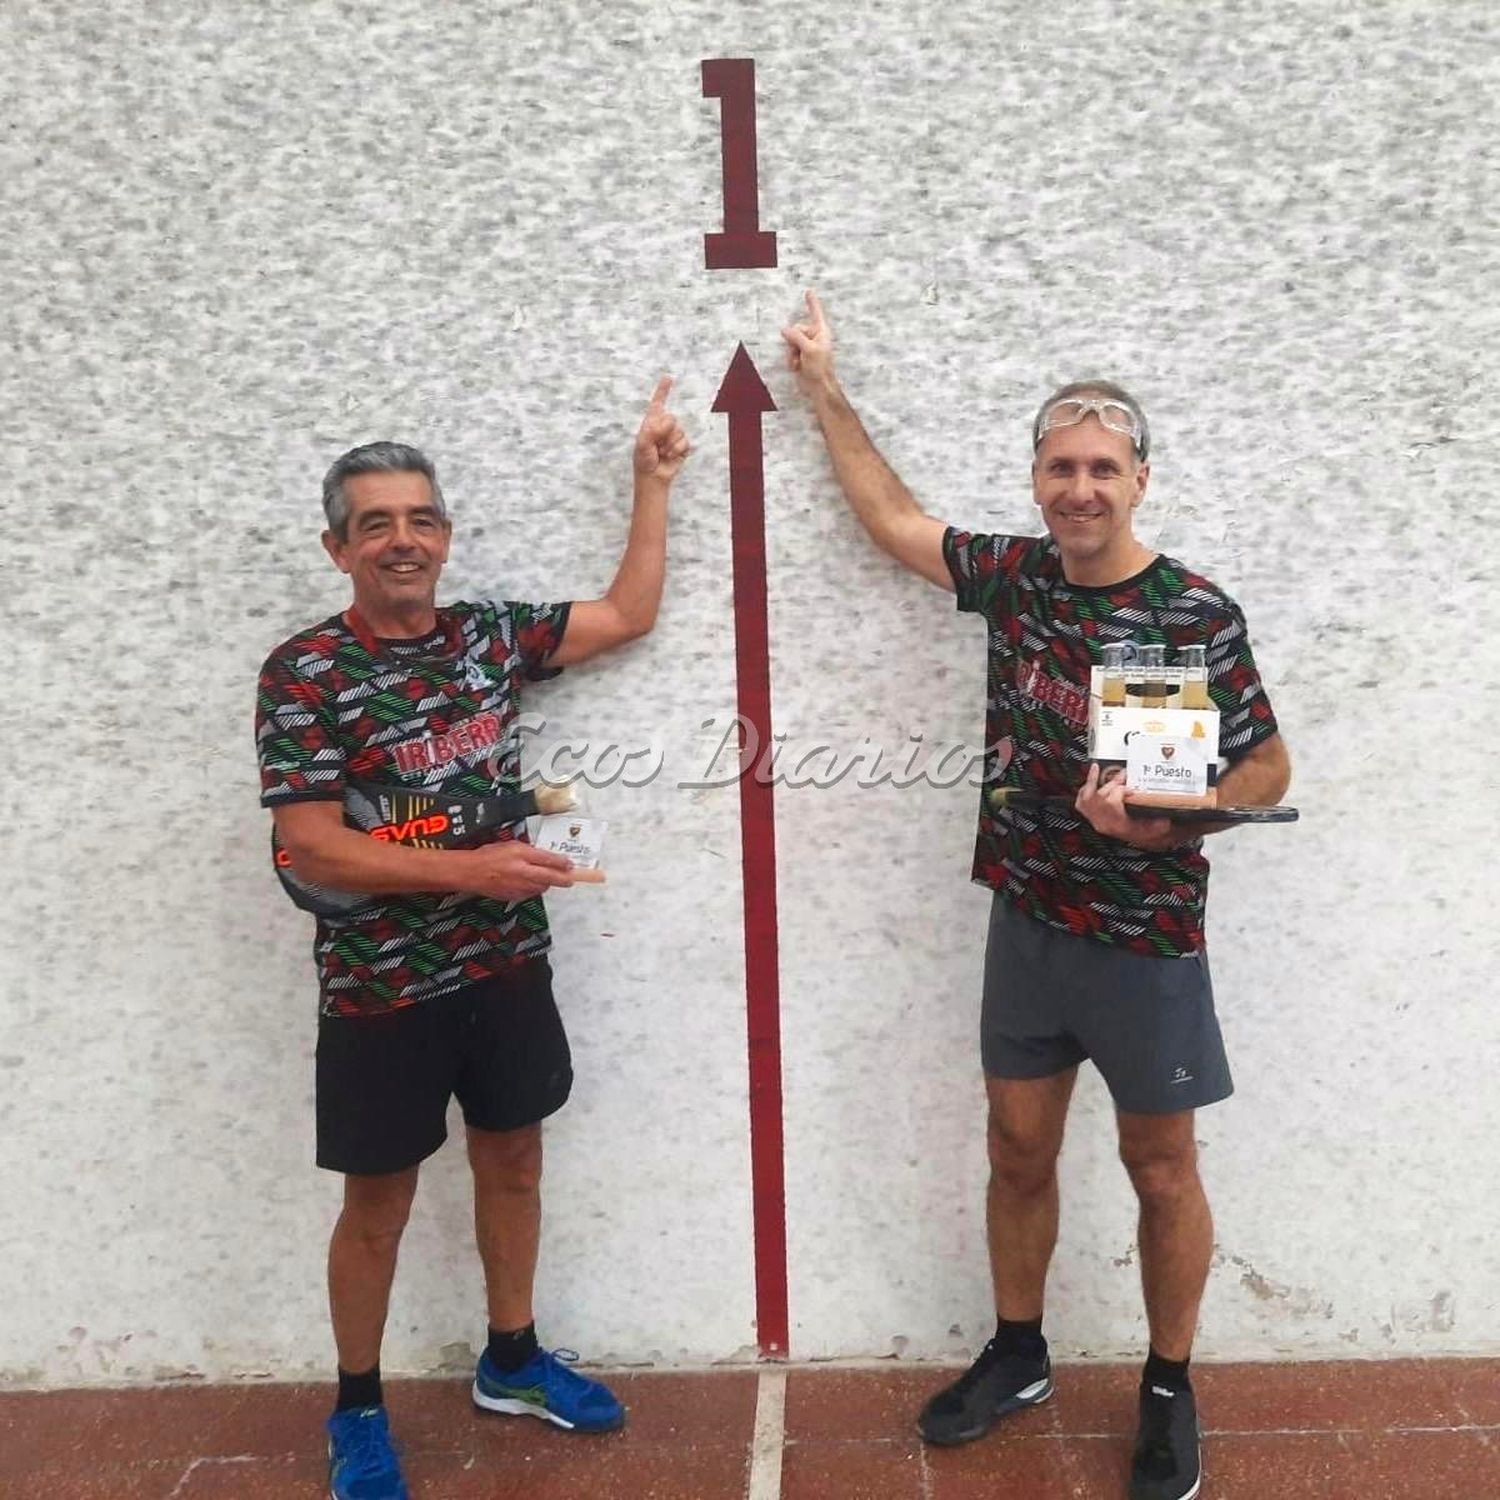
[
  {"x": 545, "y": 1387},
  {"x": 362, "y": 1463}
]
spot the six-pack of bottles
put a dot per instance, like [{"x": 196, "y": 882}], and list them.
[{"x": 1156, "y": 720}]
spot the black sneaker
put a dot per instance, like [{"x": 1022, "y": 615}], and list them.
[
  {"x": 1166, "y": 1465},
  {"x": 993, "y": 1385}
]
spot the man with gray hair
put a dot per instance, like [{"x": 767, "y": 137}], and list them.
[
  {"x": 1095, "y": 946},
  {"x": 440, "y": 987}
]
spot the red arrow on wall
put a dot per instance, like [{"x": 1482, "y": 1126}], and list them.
[{"x": 743, "y": 397}]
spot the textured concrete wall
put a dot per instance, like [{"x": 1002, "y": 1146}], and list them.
[{"x": 242, "y": 238}]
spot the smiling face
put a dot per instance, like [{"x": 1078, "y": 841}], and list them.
[
  {"x": 393, "y": 551},
  {"x": 1087, "y": 481}
]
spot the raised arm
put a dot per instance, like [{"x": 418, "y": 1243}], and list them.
[
  {"x": 628, "y": 608},
  {"x": 883, "y": 504}
]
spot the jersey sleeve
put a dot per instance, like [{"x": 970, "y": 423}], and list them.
[
  {"x": 1245, "y": 714},
  {"x": 538, "y": 630},
  {"x": 296, "y": 739},
  {"x": 979, "y": 563}
]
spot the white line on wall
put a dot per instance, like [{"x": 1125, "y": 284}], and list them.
[{"x": 770, "y": 1437}]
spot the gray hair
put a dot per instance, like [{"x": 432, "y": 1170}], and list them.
[
  {"x": 1095, "y": 388},
  {"x": 375, "y": 458}
]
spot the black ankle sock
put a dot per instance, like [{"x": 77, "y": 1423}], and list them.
[
  {"x": 1170, "y": 1374},
  {"x": 509, "y": 1351},
  {"x": 1021, "y": 1338},
  {"x": 359, "y": 1390}
]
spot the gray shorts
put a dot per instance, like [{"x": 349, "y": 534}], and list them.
[{"x": 1052, "y": 999}]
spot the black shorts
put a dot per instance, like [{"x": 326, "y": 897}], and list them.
[
  {"x": 384, "y": 1081},
  {"x": 1052, "y": 999}
]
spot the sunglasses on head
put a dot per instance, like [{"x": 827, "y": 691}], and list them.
[{"x": 1115, "y": 415}]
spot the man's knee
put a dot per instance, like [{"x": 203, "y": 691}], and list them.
[
  {"x": 1162, "y": 1172},
  {"x": 1024, "y": 1160},
  {"x": 510, "y": 1160},
  {"x": 376, "y": 1208}
]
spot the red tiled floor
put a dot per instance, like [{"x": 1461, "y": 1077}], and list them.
[
  {"x": 625, "y": 1471},
  {"x": 718, "y": 1405},
  {"x": 645, "y": 1471},
  {"x": 38, "y": 1428},
  {"x": 1432, "y": 1465},
  {"x": 852, "y": 1471},
  {"x": 69, "y": 1481},
  {"x": 1002, "y": 1467},
  {"x": 185, "y": 1421},
  {"x": 301, "y": 1478},
  {"x": 1475, "y": 1384},
  {"x": 1347, "y": 1395},
  {"x": 1414, "y": 1429},
  {"x": 1090, "y": 1400},
  {"x": 837, "y": 1404},
  {"x": 1237, "y": 1467}
]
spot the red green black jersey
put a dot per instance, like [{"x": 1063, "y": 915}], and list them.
[
  {"x": 433, "y": 715},
  {"x": 1044, "y": 635}
]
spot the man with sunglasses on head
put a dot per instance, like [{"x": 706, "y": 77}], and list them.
[{"x": 1095, "y": 947}]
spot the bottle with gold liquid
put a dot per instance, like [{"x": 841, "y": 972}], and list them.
[
  {"x": 1151, "y": 669},
  {"x": 1194, "y": 661},
  {"x": 1112, "y": 691}
]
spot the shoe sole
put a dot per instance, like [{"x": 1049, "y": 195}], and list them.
[
  {"x": 1198, "y": 1482},
  {"x": 508, "y": 1406},
  {"x": 1190, "y": 1494},
  {"x": 1031, "y": 1395},
  {"x": 334, "y": 1494}
]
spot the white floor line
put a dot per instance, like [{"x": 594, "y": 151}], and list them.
[
  {"x": 770, "y": 1437},
  {"x": 187, "y": 1474}
]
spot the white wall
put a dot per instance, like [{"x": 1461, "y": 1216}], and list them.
[{"x": 244, "y": 239}]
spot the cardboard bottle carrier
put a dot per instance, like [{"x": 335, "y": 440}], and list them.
[{"x": 1158, "y": 723}]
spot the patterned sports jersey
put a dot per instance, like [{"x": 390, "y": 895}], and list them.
[
  {"x": 1044, "y": 635},
  {"x": 433, "y": 715}
]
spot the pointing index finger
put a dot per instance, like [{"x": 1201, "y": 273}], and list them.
[
  {"x": 659, "y": 395},
  {"x": 815, "y": 308}
]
